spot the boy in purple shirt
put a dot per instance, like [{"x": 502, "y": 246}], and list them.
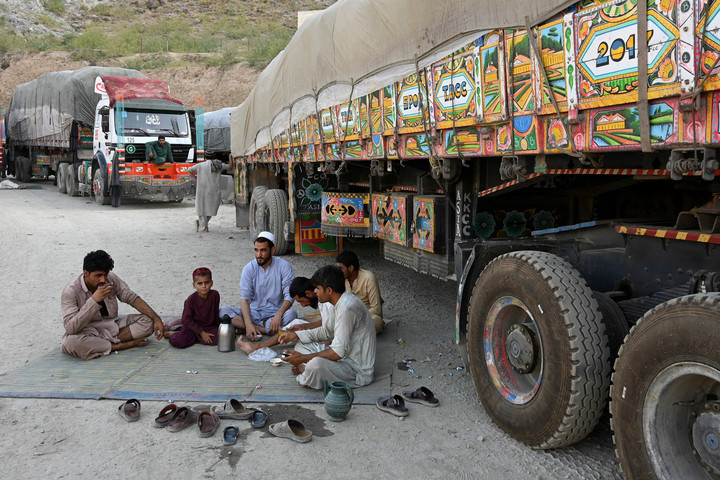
[{"x": 200, "y": 317}]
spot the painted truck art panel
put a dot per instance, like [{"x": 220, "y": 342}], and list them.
[
  {"x": 424, "y": 216},
  {"x": 619, "y": 128},
  {"x": 344, "y": 209},
  {"x": 607, "y": 53},
  {"x": 389, "y": 217},
  {"x": 453, "y": 86},
  {"x": 310, "y": 240},
  {"x": 412, "y": 104},
  {"x": 552, "y": 58}
]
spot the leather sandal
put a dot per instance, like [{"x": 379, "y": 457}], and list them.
[
  {"x": 165, "y": 415},
  {"x": 130, "y": 410},
  {"x": 181, "y": 419},
  {"x": 394, "y": 405}
]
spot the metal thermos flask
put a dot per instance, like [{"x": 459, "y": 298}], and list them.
[{"x": 226, "y": 336}]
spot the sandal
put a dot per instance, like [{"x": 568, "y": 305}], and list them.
[
  {"x": 130, "y": 410},
  {"x": 208, "y": 424},
  {"x": 292, "y": 429},
  {"x": 233, "y": 410},
  {"x": 258, "y": 419},
  {"x": 394, "y": 405},
  {"x": 230, "y": 435},
  {"x": 165, "y": 416},
  {"x": 181, "y": 419},
  {"x": 422, "y": 396}
]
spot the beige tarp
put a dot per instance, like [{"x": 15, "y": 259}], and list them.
[{"x": 359, "y": 46}]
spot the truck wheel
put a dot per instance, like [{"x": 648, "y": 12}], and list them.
[
  {"x": 71, "y": 181},
  {"x": 99, "y": 189},
  {"x": 60, "y": 177},
  {"x": 276, "y": 214},
  {"x": 665, "y": 398},
  {"x": 257, "y": 211},
  {"x": 616, "y": 325},
  {"x": 537, "y": 348}
]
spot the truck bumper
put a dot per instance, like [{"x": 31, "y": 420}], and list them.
[{"x": 169, "y": 190}]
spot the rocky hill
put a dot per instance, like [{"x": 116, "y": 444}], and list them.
[{"x": 216, "y": 86}]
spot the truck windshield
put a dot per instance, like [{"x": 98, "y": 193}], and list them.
[{"x": 154, "y": 123}]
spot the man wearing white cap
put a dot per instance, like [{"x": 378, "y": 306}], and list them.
[{"x": 265, "y": 299}]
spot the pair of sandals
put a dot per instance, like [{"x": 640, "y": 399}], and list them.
[
  {"x": 257, "y": 420},
  {"x": 176, "y": 418},
  {"x": 396, "y": 403}
]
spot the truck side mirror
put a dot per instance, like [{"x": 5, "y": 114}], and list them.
[{"x": 105, "y": 121}]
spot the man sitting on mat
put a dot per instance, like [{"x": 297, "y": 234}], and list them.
[
  {"x": 303, "y": 291},
  {"x": 89, "y": 303},
  {"x": 265, "y": 299},
  {"x": 363, "y": 284},
  {"x": 351, "y": 356}
]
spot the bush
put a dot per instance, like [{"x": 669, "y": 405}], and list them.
[{"x": 54, "y": 6}]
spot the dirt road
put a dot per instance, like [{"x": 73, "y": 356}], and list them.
[{"x": 44, "y": 237}]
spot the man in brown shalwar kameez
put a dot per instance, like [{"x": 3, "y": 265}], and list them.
[{"x": 89, "y": 303}]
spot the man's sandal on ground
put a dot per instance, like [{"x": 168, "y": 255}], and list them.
[
  {"x": 422, "y": 396},
  {"x": 292, "y": 429},
  {"x": 394, "y": 405},
  {"x": 130, "y": 410},
  {"x": 165, "y": 415},
  {"x": 233, "y": 410}
]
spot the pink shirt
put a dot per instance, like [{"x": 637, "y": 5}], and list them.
[{"x": 81, "y": 313}]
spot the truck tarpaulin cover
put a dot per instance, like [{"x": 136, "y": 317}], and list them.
[
  {"x": 47, "y": 105},
  {"x": 126, "y": 88},
  {"x": 359, "y": 46},
  {"x": 217, "y": 130}
]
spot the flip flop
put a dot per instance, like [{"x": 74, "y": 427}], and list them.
[
  {"x": 292, "y": 429},
  {"x": 208, "y": 424},
  {"x": 422, "y": 396},
  {"x": 233, "y": 409},
  {"x": 394, "y": 405},
  {"x": 130, "y": 410},
  {"x": 165, "y": 416},
  {"x": 258, "y": 419},
  {"x": 230, "y": 435},
  {"x": 181, "y": 419}
]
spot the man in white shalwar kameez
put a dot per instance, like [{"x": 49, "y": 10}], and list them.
[
  {"x": 351, "y": 355},
  {"x": 207, "y": 196}
]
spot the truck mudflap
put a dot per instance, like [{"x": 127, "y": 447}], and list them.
[{"x": 167, "y": 182}]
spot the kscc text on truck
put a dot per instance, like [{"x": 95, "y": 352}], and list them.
[
  {"x": 89, "y": 128},
  {"x": 558, "y": 160}
]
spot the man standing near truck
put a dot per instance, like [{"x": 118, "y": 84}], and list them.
[{"x": 158, "y": 152}]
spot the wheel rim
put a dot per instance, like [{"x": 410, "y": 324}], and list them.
[
  {"x": 97, "y": 186},
  {"x": 513, "y": 350},
  {"x": 681, "y": 421}
]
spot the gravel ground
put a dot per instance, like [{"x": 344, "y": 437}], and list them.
[{"x": 45, "y": 236}]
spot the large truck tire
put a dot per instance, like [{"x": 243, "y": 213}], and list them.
[
  {"x": 276, "y": 215},
  {"x": 60, "y": 175},
  {"x": 71, "y": 181},
  {"x": 665, "y": 397},
  {"x": 102, "y": 196},
  {"x": 257, "y": 211},
  {"x": 537, "y": 349},
  {"x": 616, "y": 325}
]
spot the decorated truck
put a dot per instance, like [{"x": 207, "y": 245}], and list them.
[
  {"x": 558, "y": 161},
  {"x": 89, "y": 129}
]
